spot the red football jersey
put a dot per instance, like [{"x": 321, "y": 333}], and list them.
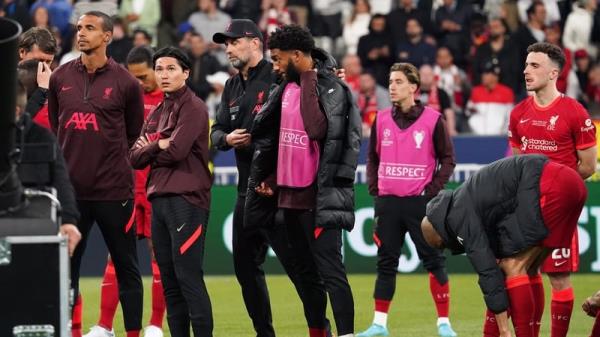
[
  {"x": 151, "y": 101},
  {"x": 557, "y": 131}
]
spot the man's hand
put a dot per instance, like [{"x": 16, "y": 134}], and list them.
[
  {"x": 73, "y": 236},
  {"x": 264, "y": 190},
  {"x": 164, "y": 144},
  {"x": 591, "y": 305},
  {"x": 238, "y": 138},
  {"x": 141, "y": 142},
  {"x": 43, "y": 75}
]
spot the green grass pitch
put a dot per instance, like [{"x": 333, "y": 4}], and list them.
[{"x": 412, "y": 312}]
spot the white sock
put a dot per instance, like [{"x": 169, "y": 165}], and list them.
[
  {"x": 380, "y": 318},
  {"x": 348, "y": 335},
  {"x": 442, "y": 320}
]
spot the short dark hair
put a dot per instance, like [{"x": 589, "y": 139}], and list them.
[
  {"x": 107, "y": 21},
  {"x": 175, "y": 53},
  {"x": 554, "y": 52},
  {"x": 531, "y": 9},
  {"x": 410, "y": 71},
  {"x": 140, "y": 54},
  {"x": 292, "y": 37},
  {"x": 41, "y": 37},
  {"x": 27, "y": 75},
  {"x": 144, "y": 32}
]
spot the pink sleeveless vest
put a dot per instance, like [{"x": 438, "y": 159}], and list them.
[
  {"x": 298, "y": 158},
  {"x": 406, "y": 157}
]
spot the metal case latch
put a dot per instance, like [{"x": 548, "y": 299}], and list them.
[{"x": 5, "y": 252}]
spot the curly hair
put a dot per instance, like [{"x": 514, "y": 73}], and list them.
[
  {"x": 555, "y": 54},
  {"x": 292, "y": 37}
]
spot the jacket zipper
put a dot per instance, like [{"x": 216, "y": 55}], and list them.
[{"x": 86, "y": 84}]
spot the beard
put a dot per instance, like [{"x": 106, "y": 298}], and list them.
[
  {"x": 412, "y": 35},
  {"x": 239, "y": 63},
  {"x": 291, "y": 74}
]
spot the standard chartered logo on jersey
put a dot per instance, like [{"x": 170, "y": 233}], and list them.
[{"x": 359, "y": 241}]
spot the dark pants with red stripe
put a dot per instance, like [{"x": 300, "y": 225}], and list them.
[
  {"x": 178, "y": 235},
  {"x": 394, "y": 217},
  {"x": 115, "y": 219},
  {"x": 320, "y": 251}
]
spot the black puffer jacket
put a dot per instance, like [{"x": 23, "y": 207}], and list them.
[
  {"x": 494, "y": 214},
  {"x": 339, "y": 156}
]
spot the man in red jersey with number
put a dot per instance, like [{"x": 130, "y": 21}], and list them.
[{"x": 549, "y": 123}]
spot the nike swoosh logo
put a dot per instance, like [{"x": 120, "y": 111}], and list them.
[
  {"x": 524, "y": 120},
  {"x": 156, "y": 281},
  {"x": 558, "y": 264},
  {"x": 179, "y": 228},
  {"x": 105, "y": 284},
  {"x": 124, "y": 203},
  {"x": 65, "y": 88}
]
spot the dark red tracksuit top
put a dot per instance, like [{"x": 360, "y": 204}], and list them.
[
  {"x": 181, "y": 169},
  {"x": 96, "y": 118}
]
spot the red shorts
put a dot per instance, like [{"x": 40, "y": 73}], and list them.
[
  {"x": 143, "y": 216},
  {"x": 562, "y": 196}
]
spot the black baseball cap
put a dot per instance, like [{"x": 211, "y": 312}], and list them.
[{"x": 238, "y": 28}]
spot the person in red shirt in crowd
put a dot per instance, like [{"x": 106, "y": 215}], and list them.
[
  {"x": 490, "y": 103},
  {"x": 139, "y": 63},
  {"x": 557, "y": 126},
  {"x": 96, "y": 109}
]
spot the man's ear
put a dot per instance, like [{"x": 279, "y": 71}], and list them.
[{"x": 22, "y": 53}]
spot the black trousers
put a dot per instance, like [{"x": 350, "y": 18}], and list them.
[
  {"x": 394, "y": 217},
  {"x": 322, "y": 251},
  {"x": 178, "y": 235},
  {"x": 250, "y": 247},
  {"x": 112, "y": 218}
]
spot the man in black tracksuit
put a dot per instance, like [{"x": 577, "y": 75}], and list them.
[
  {"x": 242, "y": 98},
  {"x": 316, "y": 203},
  {"x": 35, "y": 172}
]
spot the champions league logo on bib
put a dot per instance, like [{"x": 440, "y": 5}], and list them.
[
  {"x": 386, "y": 138},
  {"x": 418, "y": 137}
]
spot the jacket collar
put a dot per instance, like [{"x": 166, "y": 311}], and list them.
[
  {"x": 176, "y": 94},
  {"x": 109, "y": 63}
]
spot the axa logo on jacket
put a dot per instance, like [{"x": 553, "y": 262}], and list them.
[{"x": 83, "y": 121}]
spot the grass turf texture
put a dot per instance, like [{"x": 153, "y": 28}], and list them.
[{"x": 412, "y": 312}]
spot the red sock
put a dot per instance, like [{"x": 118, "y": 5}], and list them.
[
  {"x": 561, "y": 309},
  {"x": 109, "y": 297},
  {"x": 134, "y": 333},
  {"x": 158, "y": 298},
  {"x": 382, "y": 305},
  {"x": 522, "y": 305},
  {"x": 596, "y": 328},
  {"x": 314, "y": 332},
  {"x": 441, "y": 295},
  {"x": 537, "y": 288},
  {"x": 77, "y": 317},
  {"x": 490, "y": 327}
]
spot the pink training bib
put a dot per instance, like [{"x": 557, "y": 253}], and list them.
[
  {"x": 298, "y": 158},
  {"x": 406, "y": 157}
]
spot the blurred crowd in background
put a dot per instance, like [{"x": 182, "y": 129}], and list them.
[{"x": 471, "y": 54}]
